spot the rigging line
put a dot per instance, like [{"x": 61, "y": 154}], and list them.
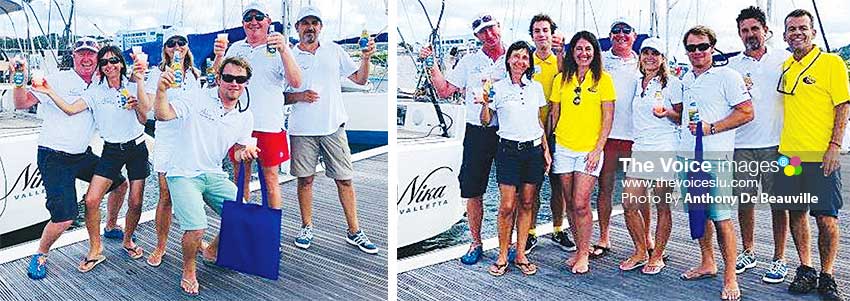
[
  {"x": 406, "y": 15},
  {"x": 593, "y": 13},
  {"x": 427, "y": 17},
  {"x": 820, "y": 24}
]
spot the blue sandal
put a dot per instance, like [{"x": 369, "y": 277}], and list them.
[{"x": 37, "y": 270}]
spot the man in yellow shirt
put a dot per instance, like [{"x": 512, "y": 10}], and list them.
[
  {"x": 816, "y": 94},
  {"x": 547, "y": 59}
]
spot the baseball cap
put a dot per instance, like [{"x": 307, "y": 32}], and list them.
[
  {"x": 309, "y": 11},
  {"x": 483, "y": 20},
  {"x": 621, "y": 20},
  {"x": 654, "y": 43},
  {"x": 86, "y": 43},
  {"x": 254, "y": 5}
]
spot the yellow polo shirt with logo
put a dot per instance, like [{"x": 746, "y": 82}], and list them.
[
  {"x": 544, "y": 73},
  {"x": 810, "y": 112},
  {"x": 579, "y": 126}
]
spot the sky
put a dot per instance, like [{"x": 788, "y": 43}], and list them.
[
  {"x": 716, "y": 14},
  {"x": 200, "y": 15}
]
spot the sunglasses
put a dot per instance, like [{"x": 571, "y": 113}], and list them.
[
  {"x": 227, "y": 78},
  {"x": 695, "y": 47},
  {"x": 577, "y": 100},
  {"x": 82, "y": 43},
  {"x": 176, "y": 41},
  {"x": 113, "y": 60},
  {"x": 780, "y": 86},
  {"x": 483, "y": 19},
  {"x": 258, "y": 17},
  {"x": 622, "y": 29}
]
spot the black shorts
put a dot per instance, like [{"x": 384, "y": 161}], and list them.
[
  {"x": 518, "y": 165},
  {"x": 116, "y": 156},
  {"x": 479, "y": 150},
  {"x": 59, "y": 170},
  {"x": 811, "y": 180}
]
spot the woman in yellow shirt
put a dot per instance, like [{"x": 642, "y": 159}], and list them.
[{"x": 583, "y": 105}]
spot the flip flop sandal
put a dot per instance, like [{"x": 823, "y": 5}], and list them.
[
  {"x": 91, "y": 263},
  {"x": 581, "y": 272},
  {"x": 732, "y": 299},
  {"x": 498, "y": 269},
  {"x": 652, "y": 269},
  {"x": 527, "y": 268},
  {"x": 192, "y": 285},
  {"x": 633, "y": 267},
  {"x": 156, "y": 263},
  {"x": 603, "y": 251},
  {"x": 685, "y": 277},
  {"x": 139, "y": 252}
]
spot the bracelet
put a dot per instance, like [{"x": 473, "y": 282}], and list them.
[
  {"x": 712, "y": 130},
  {"x": 835, "y": 143}
]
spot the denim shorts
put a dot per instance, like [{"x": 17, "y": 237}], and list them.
[
  {"x": 515, "y": 166},
  {"x": 188, "y": 196},
  {"x": 116, "y": 156},
  {"x": 479, "y": 150},
  {"x": 811, "y": 180},
  {"x": 717, "y": 211},
  {"x": 59, "y": 171}
]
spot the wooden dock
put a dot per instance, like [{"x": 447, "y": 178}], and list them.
[
  {"x": 330, "y": 269},
  {"x": 451, "y": 280}
]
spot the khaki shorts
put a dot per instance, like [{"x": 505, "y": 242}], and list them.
[{"x": 334, "y": 150}]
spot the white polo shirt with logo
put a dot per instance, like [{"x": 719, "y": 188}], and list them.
[
  {"x": 625, "y": 74},
  {"x": 70, "y": 134},
  {"x": 264, "y": 93},
  {"x": 166, "y": 132},
  {"x": 207, "y": 131},
  {"x": 518, "y": 109},
  {"x": 716, "y": 91},
  {"x": 760, "y": 78},
  {"x": 321, "y": 73},
  {"x": 651, "y": 133},
  {"x": 469, "y": 73},
  {"x": 115, "y": 124}
]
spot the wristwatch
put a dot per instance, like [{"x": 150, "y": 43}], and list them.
[{"x": 712, "y": 130}]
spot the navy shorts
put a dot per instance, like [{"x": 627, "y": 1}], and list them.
[
  {"x": 519, "y": 165},
  {"x": 811, "y": 180},
  {"x": 117, "y": 155},
  {"x": 59, "y": 170},
  {"x": 479, "y": 150}
]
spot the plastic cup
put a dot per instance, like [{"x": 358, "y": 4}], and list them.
[
  {"x": 141, "y": 57},
  {"x": 221, "y": 36},
  {"x": 137, "y": 49},
  {"x": 37, "y": 78}
]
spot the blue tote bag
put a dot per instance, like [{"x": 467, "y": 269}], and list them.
[
  {"x": 698, "y": 212},
  {"x": 250, "y": 233}
]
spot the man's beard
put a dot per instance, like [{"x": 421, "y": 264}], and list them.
[
  {"x": 752, "y": 44},
  {"x": 310, "y": 37}
]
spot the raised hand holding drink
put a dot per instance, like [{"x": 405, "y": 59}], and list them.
[
  {"x": 18, "y": 76},
  {"x": 271, "y": 50},
  {"x": 364, "y": 40}
]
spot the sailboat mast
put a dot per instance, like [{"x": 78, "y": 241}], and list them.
[{"x": 223, "y": 9}]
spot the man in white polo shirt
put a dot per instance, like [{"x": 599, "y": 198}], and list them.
[
  {"x": 317, "y": 124},
  {"x": 716, "y": 99},
  {"x": 758, "y": 140},
  {"x": 210, "y": 124},
  {"x": 480, "y": 140},
  {"x": 621, "y": 62},
  {"x": 264, "y": 96},
  {"x": 63, "y": 157}
]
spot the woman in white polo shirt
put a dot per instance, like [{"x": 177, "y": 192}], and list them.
[
  {"x": 656, "y": 111},
  {"x": 119, "y": 117},
  {"x": 174, "y": 42},
  {"x": 522, "y": 156}
]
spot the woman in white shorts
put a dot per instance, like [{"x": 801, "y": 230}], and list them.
[{"x": 656, "y": 109}]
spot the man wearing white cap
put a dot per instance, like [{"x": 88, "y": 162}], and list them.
[
  {"x": 317, "y": 124},
  {"x": 758, "y": 141},
  {"x": 480, "y": 141},
  {"x": 64, "y": 157},
  {"x": 275, "y": 69},
  {"x": 621, "y": 62}
]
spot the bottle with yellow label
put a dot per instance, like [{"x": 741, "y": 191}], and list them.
[{"x": 177, "y": 67}]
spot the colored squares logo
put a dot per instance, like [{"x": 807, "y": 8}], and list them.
[{"x": 791, "y": 167}]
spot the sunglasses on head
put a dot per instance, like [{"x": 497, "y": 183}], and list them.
[
  {"x": 258, "y": 16},
  {"x": 113, "y": 60},
  {"x": 483, "y": 19},
  {"x": 176, "y": 41},
  {"x": 695, "y": 47},
  {"x": 82, "y": 43},
  {"x": 240, "y": 79},
  {"x": 622, "y": 29}
]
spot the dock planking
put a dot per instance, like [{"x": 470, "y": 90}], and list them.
[{"x": 329, "y": 269}]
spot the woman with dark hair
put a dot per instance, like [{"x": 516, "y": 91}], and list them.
[
  {"x": 656, "y": 113},
  {"x": 175, "y": 42},
  {"x": 583, "y": 106},
  {"x": 522, "y": 156},
  {"x": 119, "y": 118}
]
